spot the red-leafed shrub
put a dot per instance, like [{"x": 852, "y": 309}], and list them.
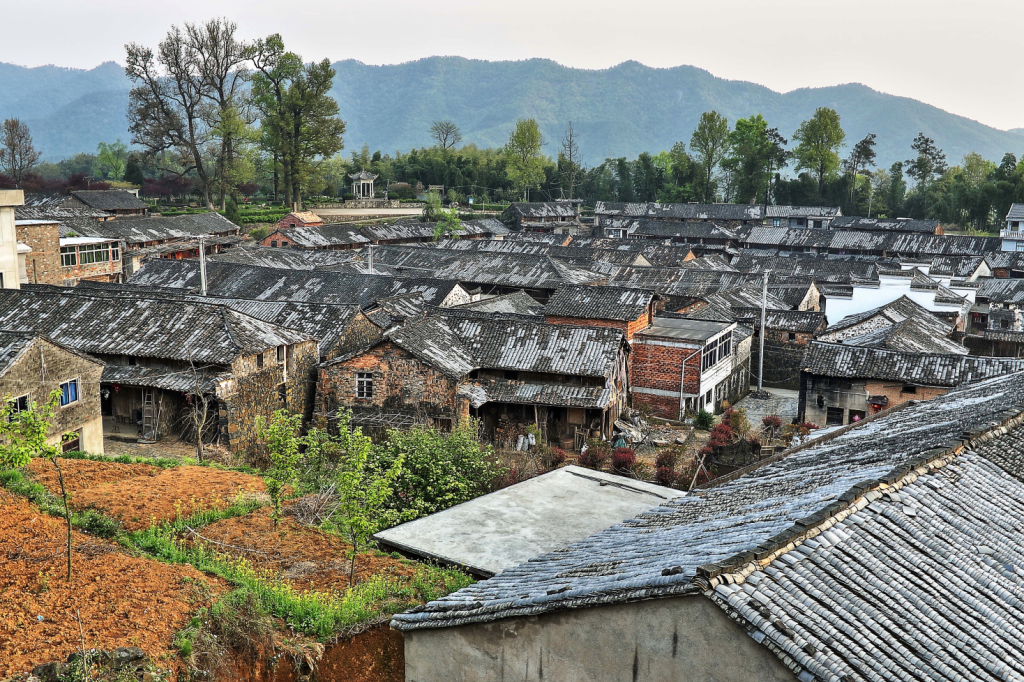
[
  {"x": 667, "y": 458},
  {"x": 666, "y": 476},
  {"x": 624, "y": 460},
  {"x": 592, "y": 458},
  {"x": 772, "y": 421},
  {"x": 556, "y": 457}
]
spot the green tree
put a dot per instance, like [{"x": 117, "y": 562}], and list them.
[
  {"x": 818, "y": 141},
  {"x": 930, "y": 162},
  {"x": 754, "y": 149},
  {"x": 25, "y": 434},
  {"x": 862, "y": 156},
  {"x": 299, "y": 123},
  {"x": 896, "y": 196},
  {"x": 524, "y": 162},
  {"x": 448, "y": 225},
  {"x": 364, "y": 494},
  {"x": 111, "y": 160},
  {"x": 439, "y": 470},
  {"x": 281, "y": 436},
  {"x": 648, "y": 178},
  {"x": 133, "y": 171},
  {"x": 710, "y": 142}
]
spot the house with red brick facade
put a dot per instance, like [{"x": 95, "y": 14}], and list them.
[
  {"x": 299, "y": 219},
  {"x": 628, "y": 310},
  {"x": 681, "y": 366}
]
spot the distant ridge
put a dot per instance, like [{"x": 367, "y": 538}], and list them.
[{"x": 620, "y": 111}]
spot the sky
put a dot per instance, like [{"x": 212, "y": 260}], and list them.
[{"x": 962, "y": 56}]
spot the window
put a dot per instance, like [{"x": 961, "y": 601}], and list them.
[
  {"x": 909, "y": 389},
  {"x": 856, "y": 416},
  {"x": 273, "y": 242},
  {"x": 259, "y": 361},
  {"x": 18, "y": 405},
  {"x": 281, "y": 353},
  {"x": 72, "y": 441},
  {"x": 69, "y": 392},
  {"x": 115, "y": 252},
  {"x": 834, "y": 416},
  {"x": 364, "y": 385},
  {"x": 68, "y": 256},
  {"x": 282, "y": 393},
  {"x": 716, "y": 351},
  {"x": 94, "y": 253},
  {"x": 792, "y": 336},
  {"x": 776, "y": 222}
]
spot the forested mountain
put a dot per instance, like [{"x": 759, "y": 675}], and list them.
[{"x": 620, "y": 111}]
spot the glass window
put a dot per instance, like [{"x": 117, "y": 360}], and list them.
[
  {"x": 834, "y": 416},
  {"x": 94, "y": 253},
  {"x": 115, "y": 252},
  {"x": 281, "y": 353},
  {"x": 68, "y": 256},
  {"x": 18, "y": 405},
  {"x": 69, "y": 392},
  {"x": 364, "y": 385}
]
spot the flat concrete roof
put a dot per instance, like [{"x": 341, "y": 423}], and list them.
[
  {"x": 510, "y": 526},
  {"x": 678, "y": 328}
]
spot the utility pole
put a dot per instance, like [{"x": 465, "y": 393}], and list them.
[
  {"x": 202, "y": 264},
  {"x": 760, "y": 358}
]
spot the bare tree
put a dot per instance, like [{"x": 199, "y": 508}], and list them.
[
  {"x": 221, "y": 63},
  {"x": 569, "y": 162},
  {"x": 168, "y": 108},
  {"x": 17, "y": 153},
  {"x": 446, "y": 133},
  {"x": 199, "y": 409}
]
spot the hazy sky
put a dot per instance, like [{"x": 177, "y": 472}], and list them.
[{"x": 961, "y": 55}]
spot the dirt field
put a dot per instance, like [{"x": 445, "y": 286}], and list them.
[
  {"x": 121, "y": 600},
  {"x": 141, "y": 495},
  {"x": 306, "y": 558}
]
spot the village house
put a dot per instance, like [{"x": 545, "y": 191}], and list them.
[
  {"x": 915, "y": 246},
  {"x": 33, "y": 367},
  {"x": 559, "y": 217},
  {"x": 300, "y": 219},
  {"x": 842, "y": 384},
  {"x": 751, "y": 578},
  {"x": 814, "y": 217},
  {"x": 920, "y": 226},
  {"x": 347, "y": 237},
  {"x": 902, "y": 324},
  {"x": 141, "y": 232},
  {"x": 116, "y": 202},
  {"x": 691, "y": 233},
  {"x": 1006, "y": 264},
  {"x": 12, "y": 258},
  {"x": 1012, "y": 237},
  {"x": 628, "y": 310},
  {"x": 508, "y": 371},
  {"x": 994, "y": 295},
  {"x": 681, "y": 366},
  {"x": 610, "y": 213},
  {"x": 174, "y": 367}
]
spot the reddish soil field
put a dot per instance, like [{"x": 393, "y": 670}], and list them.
[
  {"x": 121, "y": 600},
  {"x": 305, "y": 557},
  {"x": 142, "y": 495}
]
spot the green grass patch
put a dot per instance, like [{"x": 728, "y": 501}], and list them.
[
  {"x": 91, "y": 521},
  {"x": 162, "y": 462}
]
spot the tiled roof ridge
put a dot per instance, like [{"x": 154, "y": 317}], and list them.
[{"x": 735, "y": 569}]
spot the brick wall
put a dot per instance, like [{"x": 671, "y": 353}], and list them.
[
  {"x": 894, "y": 392},
  {"x": 41, "y": 370},
  {"x": 660, "y": 367},
  {"x": 630, "y": 327},
  {"x": 401, "y": 383},
  {"x": 277, "y": 239},
  {"x": 43, "y": 264}
]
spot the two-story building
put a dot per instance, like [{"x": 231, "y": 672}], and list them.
[{"x": 1012, "y": 237}]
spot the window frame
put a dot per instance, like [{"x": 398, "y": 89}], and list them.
[
  {"x": 76, "y": 382},
  {"x": 365, "y": 388},
  {"x": 66, "y": 251},
  {"x": 17, "y": 401}
]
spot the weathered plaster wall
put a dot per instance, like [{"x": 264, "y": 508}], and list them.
[{"x": 682, "y": 638}]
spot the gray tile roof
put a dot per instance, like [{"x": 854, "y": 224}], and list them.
[
  {"x": 601, "y": 303},
  {"x": 924, "y": 369},
  {"x": 680, "y": 211},
  {"x": 1001, "y": 291},
  {"x": 292, "y": 259},
  {"x": 691, "y": 231},
  {"x": 854, "y": 241},
  {"x": 908, "y": 335},
  {"x": 109, "y": 199},
  {"x": 699, "y": 541},
  {"x": 175, "y": 330},
  {"x": 458, "y": 342},
  {"x": 535, "y": 393},
  {"x": 1016, "y": 212},
  {"x": 803, "y": 321},
  {"x": 781, "y": 211},
  {"x": 955, "y": 266},
  {"x": 894, "y": 312},
  {"x": 518, "y": 302},
  {"x": 884, "y": 224},
  {"x": 181, "y": 381},
  {"x": 141, "y": 230},
  {"x": 12, "y": 345},
  {"x": 232, "y": 280},
  {"x": 566, "y": 210}
]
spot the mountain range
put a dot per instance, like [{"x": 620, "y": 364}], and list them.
[{"x": 620, "y": 111}]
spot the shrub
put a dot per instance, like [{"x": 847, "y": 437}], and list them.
[
  {"x": 624, "y": 460},
  {"x": 704, "y": 420},
  {"x": 556, "y": 458},
  {"x": 772, "y": 421},
  {"x": 667, "y": 458},
  {"x": 666, "y": 475},
  {"x": 592, "y": 458}
]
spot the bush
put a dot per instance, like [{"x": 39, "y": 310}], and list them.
[
  {"x": 667, "y": 458},
  {"x": 595, "y": 455},
  {"x": 556, "y": 458},
  {"x": 666, "y": 476},
  {"x": 772, "y": 421},
  {"x": 704, "y": 420},
  {"x": 624, "y": 460}
]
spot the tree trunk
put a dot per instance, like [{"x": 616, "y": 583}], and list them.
[{"x": 67, "y": 511}]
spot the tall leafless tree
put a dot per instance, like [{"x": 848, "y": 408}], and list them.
[
  {"x": 570, "y": 162},
  {"x": 446, "y": 134},
  {"x": 17, "y": 153}
]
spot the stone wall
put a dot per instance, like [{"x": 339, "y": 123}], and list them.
[
  {"x": 43, "y": 264},
  {"x": 679, "y": 638},
  {"x": 41, "y": 370},
  {"x": 401, "y": 383}
]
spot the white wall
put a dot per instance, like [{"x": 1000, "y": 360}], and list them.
[{"x": 9, "y": 198}]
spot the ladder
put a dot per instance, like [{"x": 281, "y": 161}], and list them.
[{"x": 148, "y": 432}]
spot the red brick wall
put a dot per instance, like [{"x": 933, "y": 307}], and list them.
[
  {"x": 279, "y": 238},
  {"x": 630, "y": 328},
  {"x": 661, "y": 367},
  {"x": 894, "y": 392}
]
